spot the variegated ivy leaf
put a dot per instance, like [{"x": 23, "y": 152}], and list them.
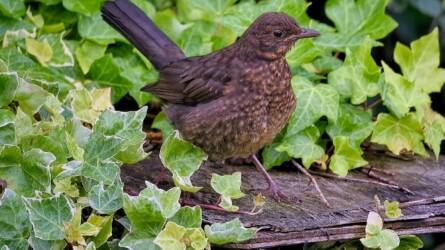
[
  {"x": 229, "y": 232},
  {"x": 228, "y": 186},
  {"x": 376, "y": 236},
  {"x": 49, "y": 215},
  {"x": 174, "y": 236},
  {"x": 8, "y": 87},
  {"x": 182, "y": 159},
  {"x": 167, "y": 201},
  {"x": 88, "y": 105}
]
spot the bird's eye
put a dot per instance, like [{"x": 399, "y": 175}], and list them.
[{"x": 278, "y": 33}]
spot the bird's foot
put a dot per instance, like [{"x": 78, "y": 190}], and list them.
[{"x": 275, "y": 192}]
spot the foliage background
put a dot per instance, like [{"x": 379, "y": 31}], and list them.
[{"x": 64, "y": 73}]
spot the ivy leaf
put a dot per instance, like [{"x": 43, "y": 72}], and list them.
[
  {"x": 392, "y": 209},
  {"x": 41, "y": 50},
  {"x": 174, "y": 236},
  {"x": 146, "y": 222},
  {"x": 399, "y": 94},
  {"x": 27, "y": 171},
  {"x": 354, "y": 20},
  {"x": 87, "y": 53},
  {"x": 39, "y": 244},
  {"x": 229, "y": 232},
  {"x": 12, "y": 8},
  {"x": 128, "y": 127},
  {"x": 314, "y": 101},
  {"x": 88, "y": 105},
  {"x": 434, "y": 135},
  {"x": 95, "y": 29},
  {"x": 48, "y": 216},
  {"x": 188, "y": 217},
  {"x": 228, "y": 186},
  {"x": 346, "y": 157},
  {"x": 15, "y": 227},
  {"x": 420, "y": 65},
  {"x": 182, "y": 159},
  {"x": 167, "y": 201},
  {"x": 7, "y": 127},
  {"x": 303, "y": 145},
  {"x": 272, "y": 157},
  {"x": 62, "y": 55},
  {"x": 399, "y": 134},
  {"x": 8, "y": 87},
  {"x": 203, "y": 10},
  {"x": 106, "y": 72},
  {"x": 409, "y": 242},
  {"x": 352, "y": 122},
  {"x": 86, "y": 7},
  {"x": 106, "y": 200},
  {"x": 376, "y": 236},
  {"x": 162, "y": 123},
  {"x": 358, "y": 78}
]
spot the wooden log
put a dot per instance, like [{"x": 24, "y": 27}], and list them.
[{"x": 306, "y": 218}]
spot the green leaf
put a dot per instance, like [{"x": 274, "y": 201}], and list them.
[
  {"x": 228, "y": 186},
  {"x": 272, "y": 157},
  {"x": 392, "y": 209},
  {"x": 39, "y": 244},
  {"x": 358, "y": 78},
  {"x": 304, "y": 51},
  {"x": 88, "y": 105},
  {"x": 106, "y": 200},
  {"x": 409, "y": 242},
  {"x": 146, "y": 222},
  {"x": 182, "y": 159},
  {"x": 434, "y": 135},
  {"x": 302, "y": 145},
  {"x": 175, "y": 237},
  {"x": 314, "y": 101},
  {"x": 86, "y": 7},
  {"x": 354, "y": 20},
  {"x": 12, "y": 8},
  {"x": 41, "y": 50},
  {"x": 105, "y": 224},
  {"x": 188, "y": 217},
  {"x": 167, "y": 201},
  {"x": 48, "y": 216},
  {"x": 7, "y": 127},
  {"x": 62, "y": 55},
  {"x": 106, "y": 73},
  {"x": 66, "y": 186},
  {"x": 346, "y": 157},
  {"x": 229, "y": 232},
  {"x": 95, "y": 29},
  {"x": 15, "y": 228},
  {"x": 352, "y": 122},
  {"x": 8, "y": 86},
  {"x": 167, "y": 21},
  {"x": 128, "y": 127},
  {"x": 399, "y": 134},
  {"x": 420, "y": 64},
  {"x": 161, "y": 122},
  {"x": 30, "y": 97},
  {"x": 26, "y": 172},
  {"x": 399, "y": 94},
  {"x": 87, "y": 53}
]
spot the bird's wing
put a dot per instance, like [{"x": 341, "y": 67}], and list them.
[{"x": 191, "y": 81}]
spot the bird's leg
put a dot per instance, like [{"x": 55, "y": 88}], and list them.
[{"x": 273, "y": 187}]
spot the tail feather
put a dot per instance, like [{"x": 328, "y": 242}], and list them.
[{"x": 133, "y": 24}]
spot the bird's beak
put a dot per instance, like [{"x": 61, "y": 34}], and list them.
[{"x": 307, "y": 33}]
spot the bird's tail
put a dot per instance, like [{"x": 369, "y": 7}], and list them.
[{"x": 133, "y": 24}]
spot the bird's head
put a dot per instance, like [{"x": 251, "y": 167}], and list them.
[{"x": 273, "y": 34}]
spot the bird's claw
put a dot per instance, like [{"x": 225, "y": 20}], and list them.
[{"x": 275, "y": 192}]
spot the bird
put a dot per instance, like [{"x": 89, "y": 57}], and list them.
[{"x": 231, "y": 102}]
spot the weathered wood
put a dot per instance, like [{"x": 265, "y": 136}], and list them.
[{"x": 307, "y": 218}]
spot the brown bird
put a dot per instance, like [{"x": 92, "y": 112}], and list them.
[{"x": 231, "y": 102}]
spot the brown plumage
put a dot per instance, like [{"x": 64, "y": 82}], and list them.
[{"x": 231, "y": 102}]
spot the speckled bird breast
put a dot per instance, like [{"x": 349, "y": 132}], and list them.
[{"x": 242, "y": 122}]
